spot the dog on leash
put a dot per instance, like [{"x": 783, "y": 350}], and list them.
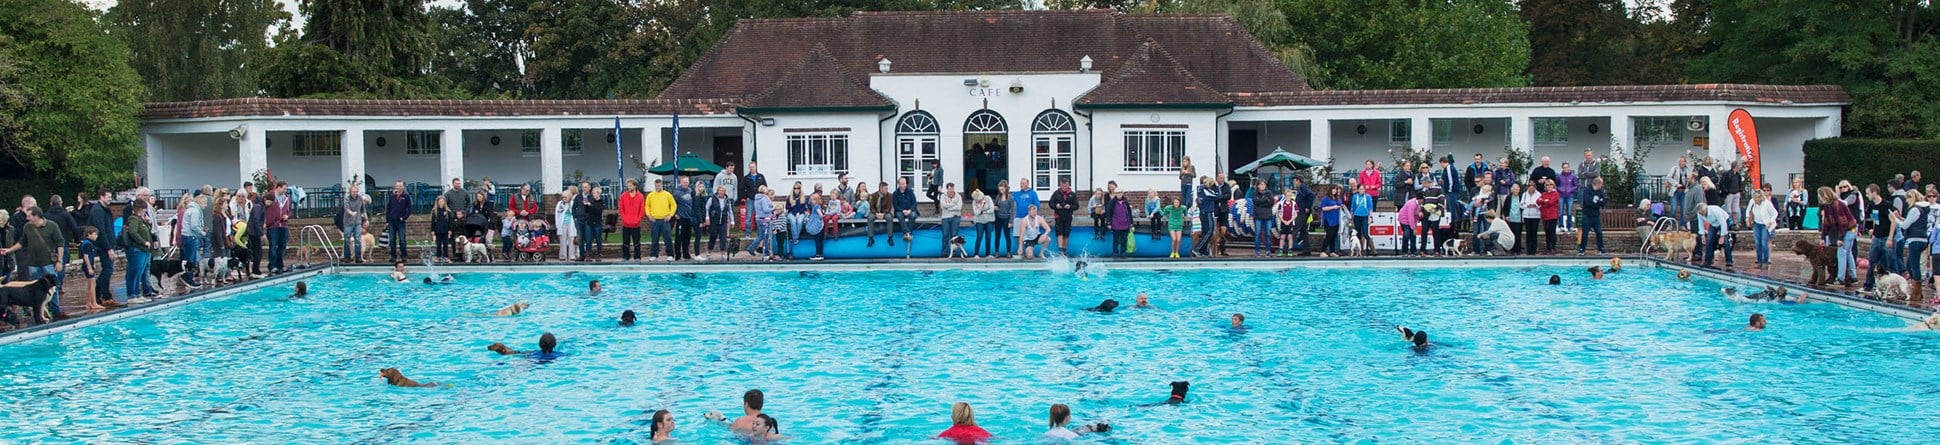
[
  {"x": 167, "y": 276},
  {"x": 1823, "y": 260},
  {"x": 474, "y": 252},
  {"x": 36, "y": 296}
]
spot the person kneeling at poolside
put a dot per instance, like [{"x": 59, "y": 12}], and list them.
[
  {"x": 1497, "y": 239},
  {"x": 1419, "y": 339},
  {"x": 395, "y": 378}
]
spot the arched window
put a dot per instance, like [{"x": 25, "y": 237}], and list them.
[
  {"x": 916, "y": 146},
  {"x": 1053, "y": 140},
  {"x": 985, "y": 121}
]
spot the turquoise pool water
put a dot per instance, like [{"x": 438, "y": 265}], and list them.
[{"x": 878, "y": 357}]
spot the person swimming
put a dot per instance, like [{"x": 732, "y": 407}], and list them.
[
  {"x": 766, "y": 430},
  {"x": 1684, "y": 275},
  {"x": 1596, "y": 272},
  {"x": 1418, "y": 339},
  {"x": 1239, "y": 321},
  {"x": 1555, "y": 280},
  {"x": 1771, "y": 293},
  {"x": 1106, "y": 306},
  {"x": 398, "y": 275},
  {"x": 593, "y": 287},
  {"x": 1757, "y": 323},
  {"x": 502, "y": 349},
  {"x": 514, "y": 309},
  {"x": 302, "y": 290},
  {"x": 396, "y": 378},
  {"x": 1616, "y": 264},
  {"x": 548, "y": 346},
  {"x": 627, "y": 318},
  {"x": 1143, "y": 303},
  {"x": 662, "y": 428}
]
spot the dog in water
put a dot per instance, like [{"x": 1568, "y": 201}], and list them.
[{"x": 396, "y": 378}]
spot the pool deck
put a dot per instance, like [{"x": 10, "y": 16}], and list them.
[{"x": 1787, "y": 270}]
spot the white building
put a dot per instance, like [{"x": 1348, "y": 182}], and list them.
[{"x": 1084, "y": 96}]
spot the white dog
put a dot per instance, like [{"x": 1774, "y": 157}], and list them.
[
  {"x": 1892, "y": 287},
  {"x": 1453, "y": 247},
  {"x": 474, "y": 252}
]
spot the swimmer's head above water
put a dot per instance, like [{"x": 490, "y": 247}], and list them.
[
  {"x": 547, "y": 342},
  {"x": 302, "y": 289},
  {"x": 1596, "y": 272},
  {"x": 593, "y": 287},
  {"x": 1757, "y": 322},
  {"x": 1239, "y": 320},
  {"x": 1142, "y": 301},
  {"x": 1555, "y": 280},
  {"x": 626, "y": 318}
]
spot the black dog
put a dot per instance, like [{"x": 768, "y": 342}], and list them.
[
  {"x": 165, "y": 272},
  {"x": 35, "y": 296},
  {"x": 1178, "y": 393}
]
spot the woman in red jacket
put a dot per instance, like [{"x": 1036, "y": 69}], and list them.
[
  {"x": 963, "y": 427},
  {"x": 1370, "y": 179},
  {"x": 1549, "y": 205}
]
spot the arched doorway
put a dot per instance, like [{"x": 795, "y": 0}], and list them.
[
  {"x": 986, "y": 160},
  {"x": 916, "y": 148},
  {"x": 1053, "y": 140}
]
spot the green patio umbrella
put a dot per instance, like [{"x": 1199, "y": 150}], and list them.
[
  {"x": 688, "y": 164},
  {"x": 1280, "y": 158}
]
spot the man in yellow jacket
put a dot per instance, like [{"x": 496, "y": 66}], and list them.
[{"x": 660, "y": 214}]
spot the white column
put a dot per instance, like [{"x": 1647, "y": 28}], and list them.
[
  {"x": 152, "y": 171},
  {"x": 649, "y": 138},
  {"x": 352, "y": 157},
  {"x": 1320, "y": 140},
  {"x": 1421, "y": 134},
  {"x": 253, "y": 153},
  {"x": 1826, "y": 127},
  {"x": 451, "y": 154},
  {"x": 1621, "y": 136},
  {"x": 654, "y": 150},
  {"x": 1522, "y": 134},
  {"x": 551, "y": 161},
  {"x": 1721, "y": 146}
]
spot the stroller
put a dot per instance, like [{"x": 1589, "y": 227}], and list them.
[{"x": 532, "y": 247}]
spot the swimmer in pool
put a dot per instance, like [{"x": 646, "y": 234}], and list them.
[
  {"x": 397, "y": 272},
  {"x": 1106, "y": 306},
  {"x": 1771, "y": 293},
  {"x": 1757, "y": 323},
  {"x": 1419, "y": 339},
  {"x": 502, "y": 349},
  {"x": 1144, "y": 303},
  {"x": 593, "y": 288},
  {"x": 1596, "y": 273},
  {"x": 1616, "y": 264},
  {"x": 1239, "y": 321},
  {"x": 751, "y": 402},
  {"x": 1684, "y": 275},
  {"x": 547, "y": 347},
  {"x": 1555, "y": 280},
  {"x": 766, "y": 430},
  {"x": 302, "y": 290},
  {"x": 662, "y": 428},
  {"x": 627, "y": 318},
  {"x": 514, "y": 309},
  {"x": 395, "y": 378}
]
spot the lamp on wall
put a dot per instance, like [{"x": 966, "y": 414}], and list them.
[
  {"x": 1360, "y": 129},
  {"x": 495, "y": 140},
  {"x": 1084, "y": 65},
  {"x": 1016, "y": 86},
  {"x": 883, "y": 65},
  {"x": 238, "y": 132},
  {"x": 1593, "y": 128},
  {"x": 1478, "y": 128},
  {"x": 767, "y": 122}
]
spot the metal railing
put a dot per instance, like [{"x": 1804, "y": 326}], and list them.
[
  {"x": 314, "y": 238},
  {"x": 1643, "y": 249}
]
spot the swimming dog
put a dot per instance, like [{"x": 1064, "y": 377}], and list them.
[{"x": 395, "y": 378}]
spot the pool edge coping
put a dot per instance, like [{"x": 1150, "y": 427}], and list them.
[{"x": 46, "y": 329}]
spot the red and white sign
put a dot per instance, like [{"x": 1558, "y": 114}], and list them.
[{"x": 1745, "y": 135}]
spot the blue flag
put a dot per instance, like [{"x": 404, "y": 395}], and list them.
[{"x": 619, "y": 167}]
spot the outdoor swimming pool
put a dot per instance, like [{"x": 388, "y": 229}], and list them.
[{"x": 878, "y": 357}]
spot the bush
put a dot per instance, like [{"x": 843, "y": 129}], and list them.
[{"x": 1868, "y": 161}]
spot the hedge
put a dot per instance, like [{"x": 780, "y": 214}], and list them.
[{"x": 1869, "y": 161}]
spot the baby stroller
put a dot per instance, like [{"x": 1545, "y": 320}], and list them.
[{"x": 532, "y": 247}]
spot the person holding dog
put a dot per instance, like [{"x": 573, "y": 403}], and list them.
[
  {"x": 38, "y": 241},
  {"x": 1837, "y": 228}
]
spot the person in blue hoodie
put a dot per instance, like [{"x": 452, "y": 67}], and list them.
[{"x": 1362, "y": 207}]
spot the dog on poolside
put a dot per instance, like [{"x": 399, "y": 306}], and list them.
[
  {"x": 956, "y": 248},
  {"x": 1673, "y": 242},
  {"x": 216, "y": 270},
  {"x": 1453, "y": 247},
  {"x": 370, "y": 242},
  {"x": 167, "y": 276},
  {"x": 1822, "y": 258},
  {"x": 1890, "y": 286},
  {"x": 474, "y": 252},
  {"x": 36, "y": 296}
]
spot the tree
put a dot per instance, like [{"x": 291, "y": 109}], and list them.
[
  {"x": 68, "y": 99},
  {"x": 480, "y": 48},
  {"x": 353, "y": 48},
  {"x": 1669, "y": 35},
  {"x": 196, "y": 49},
  {"x": 1377, "y": 44},
  {"x": 1580, "y": 42},
  {"x": 1886, "y": 53},
  {"x": 583, "y": 57}
]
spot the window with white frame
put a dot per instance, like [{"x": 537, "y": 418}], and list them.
[
  {"x": 1660, "y": 129},
  {"x": 1444, "y": 131},
  {"x": 1052, "y": 149},
  {"x": 1154, "y": 150},
  {"x": 916, "y": 146},
  {"x": 818, "y": 154},
  {"x": 572, "y": 142},
  {"x": 423, "y": 143},
  {"x": 1551, "y": 130},
  {"x": 311, "y": 144},
  {"x": 1398, "y": 131},
  {"x": 529, "y": 143}
]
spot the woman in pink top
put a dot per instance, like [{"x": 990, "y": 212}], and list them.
[
  {"x": 963, "y": 429},
  {"x": 1370, "y": 179},
  {"x": 1409, "y": 216}
]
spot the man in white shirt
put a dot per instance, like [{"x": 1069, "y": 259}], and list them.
[
  {"x": 1712, "y": 225},
  {"x": 1498, "y": 239}
]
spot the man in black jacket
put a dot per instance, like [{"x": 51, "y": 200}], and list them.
[
  {"x": 1064, "y": 203},
  {"x": 103, "y": 220},
  {"x": 258, "y": 210},
  {"x": 1303, "y": 199}
]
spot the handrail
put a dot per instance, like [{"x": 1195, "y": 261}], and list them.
[
  {"x": 1655, "y": 228},
  {"x": 314, "y": 238}
]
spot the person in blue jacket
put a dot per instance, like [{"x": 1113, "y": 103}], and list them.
[
  {"x": 1022, "y": 201},
  {"x": 905, "y": 202}
]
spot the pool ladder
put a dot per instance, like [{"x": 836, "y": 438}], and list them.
[
  {"x": 1662, "y": 224},
  {"x": 315, "y": 238}
]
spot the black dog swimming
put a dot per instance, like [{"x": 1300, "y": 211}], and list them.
[
  {"x": 34, "y": 295},
  {"x": 1178, "y": 393}
]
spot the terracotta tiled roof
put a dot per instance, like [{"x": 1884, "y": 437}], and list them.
[
  {"x": 1239, "y": 62},
  {"x": 1771, "y": 94},
  {"x": 257, "y": 106},
  {"x": 751, "y": 57},
  {"x": 818, "y": 81},
  {"x": 1151, "y": 77}
]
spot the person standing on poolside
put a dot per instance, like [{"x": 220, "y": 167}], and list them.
[
  {"x": 1064, "y": 203},
  {"x": 1024, "y": 202},
  {"x": 632, "y": 208},
  {"x": 1362, "y": 206},
  {"x": 660, "y": 215}
]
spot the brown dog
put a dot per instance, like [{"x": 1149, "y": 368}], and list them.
[
  {"x": 395, "y": 378},
  {"x": 1674, "y": 241},
  {"x": 1823, "y": 260}
]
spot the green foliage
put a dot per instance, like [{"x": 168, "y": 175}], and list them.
[
  {"x": 1376, "y": 44},
  {"x": 357, "y": 49},
  {"x": 583, "y": 56},
  {"x": 479, "y": 46},
  {"x": 196, "y": 49},
  {"x": 1580, "y": 42},
  {"x": 1864, "y": 161},
  {"x": 1884, "y": 52},
  {"x": 1623, "y": 170},
  {"x": 68, "y": 99},
  {"x": 1520, "y": 160}
]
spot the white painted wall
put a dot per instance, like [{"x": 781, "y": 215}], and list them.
[
  {"x": 865, "y": 147},
  {"x": 181, "y": 161},
  {"x": 1202, "y": 145},
  {"x": 947, "y": 98}
]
